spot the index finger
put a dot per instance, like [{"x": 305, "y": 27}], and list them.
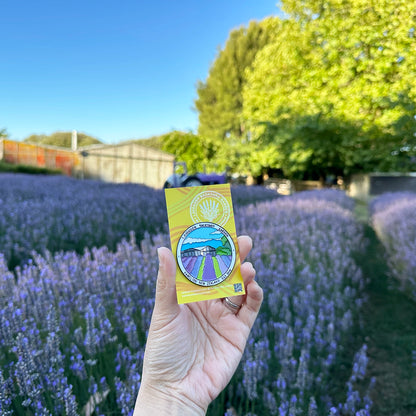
[{"x": 245, "y": 243}]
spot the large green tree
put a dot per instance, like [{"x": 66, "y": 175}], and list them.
[
  {"x": 220, "y": 100},
  {"x": 335, "y": 88},
  {"x": 186, "y": 146},
  {"x": 199, "y": 154}
]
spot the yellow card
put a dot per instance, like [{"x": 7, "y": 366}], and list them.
[{"x": 204, "y": 241}]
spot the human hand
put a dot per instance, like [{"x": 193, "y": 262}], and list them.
[{"x": 193, "y": 350}]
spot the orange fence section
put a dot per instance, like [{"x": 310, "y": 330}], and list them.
[{"x": 34, "y": 155}]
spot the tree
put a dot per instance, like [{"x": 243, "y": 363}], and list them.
[
  {"x": 62, "y": 139},
  {"x": 199, "y": 153},
  {"x": 311, "y": 147},
  {"x": 187, "y": 147},
  {"x": 337, "y": 73},
  {"x": 3, "y": 133},
  {"x": 219, "y": 101}
]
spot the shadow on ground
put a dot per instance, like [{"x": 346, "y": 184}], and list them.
[{"x": 389, "y": 330}]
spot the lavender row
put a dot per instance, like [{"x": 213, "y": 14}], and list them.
[
  {"x": 304, "y": 256},
  {"x": 393, "y": 217},
  {"x": 59, "y": 213},
  {"x": 246, "y": 195},
  {"x": 73, "y": 329},
  {"x": 329, "y": 195}
]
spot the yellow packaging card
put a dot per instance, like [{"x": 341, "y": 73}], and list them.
[{"x": 204, "y": 241}]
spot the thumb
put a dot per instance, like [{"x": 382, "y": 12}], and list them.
[{"x": 165, "y": 300}]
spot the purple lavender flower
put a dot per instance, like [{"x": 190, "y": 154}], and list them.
[
  {"x": 5, "y": 396},
  {"x": 393, "y": 216},
  {"x": 250, "y": 379},
  {"x": 270, "y": 402},
  {"x": 313, "y": 408},
  {"x": 103, "y": 299}
]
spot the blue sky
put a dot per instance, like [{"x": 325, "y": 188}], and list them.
[
  {"x": 201, "y": 237},
  {"x": 116, "y": 70}
]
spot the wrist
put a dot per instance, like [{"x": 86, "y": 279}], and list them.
[{"x": 152, "y": 401}]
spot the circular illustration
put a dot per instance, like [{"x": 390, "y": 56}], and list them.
[
  {"x": 210, "y": 206},
  {"x": 206, "y": 254}
]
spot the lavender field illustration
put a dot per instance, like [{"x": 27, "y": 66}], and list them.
[{"x": 206, "y": 255}]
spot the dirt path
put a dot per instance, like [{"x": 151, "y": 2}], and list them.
[{"x": 389, "y": 330}]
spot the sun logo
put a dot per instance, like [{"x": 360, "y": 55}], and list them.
[
  {"x": 210, "y": 206},
  {"x": 209, "y": 209}
]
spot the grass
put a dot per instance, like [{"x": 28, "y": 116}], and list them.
[
  {"x": 361, "y": 210},
  {"x": 387, "y": 324},
  {"x": 388, "y": 328}
]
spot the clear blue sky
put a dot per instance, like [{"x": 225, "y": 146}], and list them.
[{"x": 116, "y": 70}]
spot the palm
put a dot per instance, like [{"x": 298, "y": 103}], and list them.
[
  {"x": 201, "y": 347},
  {"x": 194, "y": 349}
]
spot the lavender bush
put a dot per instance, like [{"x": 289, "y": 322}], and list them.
[
  {"x": 73, "y": 326},
  {"x": 393, "y": 216},
  {"x": 329, "y": 195},
  {"x": 73, "y": 329},
  {"x": 59, "y": 213},
  {"x": 303, "y": 253},
  {"x": 245, "y": 195}
]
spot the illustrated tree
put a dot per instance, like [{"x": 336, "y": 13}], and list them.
[{"x": 334, "y": 92}]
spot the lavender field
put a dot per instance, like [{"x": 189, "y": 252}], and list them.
[
  {"x": 58, "y": 213},
  {"x": 393, "y": 216},
  {"x": 74, "y": 318},
  {"x": 304, "y": 255}
]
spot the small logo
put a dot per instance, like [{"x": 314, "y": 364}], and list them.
[
  {"x": 206, "y": 254},
  {"x": 210, "y": 206}
]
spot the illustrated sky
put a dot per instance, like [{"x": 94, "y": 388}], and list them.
[
  {"x": 203, "y": 236},
  {"x": 116, "y": 70}
]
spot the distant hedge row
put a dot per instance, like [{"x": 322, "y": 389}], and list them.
[{"x": 9, "y": 167}]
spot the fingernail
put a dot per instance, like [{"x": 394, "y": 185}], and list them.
[{"x": 160, "y": 257}]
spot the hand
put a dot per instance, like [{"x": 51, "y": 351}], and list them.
[{"x": 193, "y": 350}]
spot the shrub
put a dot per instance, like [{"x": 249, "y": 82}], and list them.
[
  {"x": 393, "y": 217},
  {"x": 61, "y": 213}
]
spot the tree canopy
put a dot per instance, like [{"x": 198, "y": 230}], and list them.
[
  {"x": 62, "y": 139},
  {"x": 335, "y": 88},
  {"x": 220, "y": 100},
  {"x": 328, "y": 90},
  {"x": 186, "y": 146}
]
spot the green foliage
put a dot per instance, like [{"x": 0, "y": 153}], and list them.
[
  {"x": 155, "y": 142},
  {"x": 333, "y": 91},
  {"x": 186, "y": 146},
  {"x": 62, "y": 139},
  {"x": 8, "y": 167},
  {"x": 220, "y": 98},
  {"x": 223, "y": 251},
  {"x": 3, "y": 133}
]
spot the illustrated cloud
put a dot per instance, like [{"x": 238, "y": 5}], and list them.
[
  {"x": 216, "y": 232},
  {"x": 191, "y": 240}
]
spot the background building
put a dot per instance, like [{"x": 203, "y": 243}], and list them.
[{"x": 124, "y": 162}]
